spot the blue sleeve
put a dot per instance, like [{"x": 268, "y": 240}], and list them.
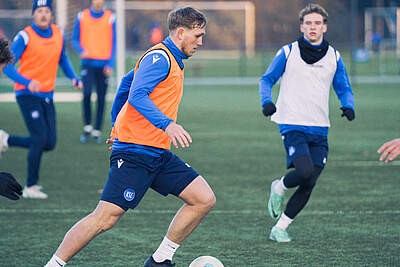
[
  {"x": 111, "y": 61},
  {"x": 121, "y": 96},
  {"x": 271, "y": 76},
  {"x": 66, "y": 65},
  {"x": 152, "y": 69},
  {"x": 341, "y": 85},
  {"x": 76, "y": 43},
  {"x": 17, "y": 49}
]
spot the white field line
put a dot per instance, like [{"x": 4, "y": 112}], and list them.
[
  {"x": 362, "y": 163},
  {"x": 217, "y": 212}
]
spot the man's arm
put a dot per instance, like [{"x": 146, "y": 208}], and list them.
[
  {"x": 153, "y": 68},
  {"x": 272, "y": 74},
  {"x": 17, "y": 49},
  {"x": 341, "y": 85},
  {"x": 111, "y": 61},
  {"x": 121, "y": 96},
  {"x": 76, "y": 43},
  {"x": 66, "y": 65}
]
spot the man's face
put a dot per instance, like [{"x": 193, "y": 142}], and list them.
[
  {"x": 42, "y": 17},
  {"x": 97, "y": 5},
  {"x": 313, "y": 28},
  {"x": 192, "y": 39}
]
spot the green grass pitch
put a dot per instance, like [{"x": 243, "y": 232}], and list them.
[{"x": 352, "y": 219}]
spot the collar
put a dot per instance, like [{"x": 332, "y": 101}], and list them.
[
  {"x": 96, "y": 14},
  {"x": 317, "y": 45},
  {"x": 45, "y": 33},
  {"x": 178, "y": 54}
]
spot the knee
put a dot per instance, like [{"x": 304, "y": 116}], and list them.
[
  {"x": 51, "y": 144},
  {"x": 305, "y": 173},
  {"x": 39, "y": 140},
  {"x": 208, "y": 202},
  {"x": 104, "y": 222}
]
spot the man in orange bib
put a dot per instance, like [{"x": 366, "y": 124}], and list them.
[
  {"x": 144, "y": 124},
  {"x": 40, "y": 49},
  {"x": 94, "y": 38}
]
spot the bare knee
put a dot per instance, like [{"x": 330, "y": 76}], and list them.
[
  {"x": 104, "y": 221},
  {"x": 208, "y": 201}
]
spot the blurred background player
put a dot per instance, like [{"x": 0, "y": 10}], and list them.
[
  {"x": 307, "y": 67},
  {"x": 389, "y": 150},
  {"x": 144, "y": 116},
  {"x": 94, "y": 38},
  {"x": 9, "y": 187},
  {"x": 40, "y": 49}
]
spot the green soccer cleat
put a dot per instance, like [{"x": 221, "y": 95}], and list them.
[
  {"x": 279, "y": 235},
  {"x": 275, "y": 203}
]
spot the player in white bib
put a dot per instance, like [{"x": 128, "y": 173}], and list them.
[{"x": 307, "y": 69}]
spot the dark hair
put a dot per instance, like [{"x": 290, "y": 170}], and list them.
[
  {"x": 313, "y": 8},
  {"x": 187, "y": 17},
  {"x": 5, "y": 53}
]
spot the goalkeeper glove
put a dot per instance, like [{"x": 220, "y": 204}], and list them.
[
  {"x": 9, "y": 187},
  {"x": 348, "y": 112},
  {"x": 269, "y": 109}
]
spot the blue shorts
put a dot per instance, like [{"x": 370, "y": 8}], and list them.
[
  {"x": 131, "y": 174},
  {"x": 299, "y": 144}
]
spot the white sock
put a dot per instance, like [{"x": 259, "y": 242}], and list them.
[
  {"x": 5, "y": 140},
  {"x": 165, "y": 251},
  {"x": 55, "y": 262},
  {"x": 96, "y": 133},
  {"x": 88, "y": 128},
  {"x": 280, "y": 187},
  {"x": 283, "y": 222}
]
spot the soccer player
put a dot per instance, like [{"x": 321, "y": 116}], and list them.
[
  {"x": 9, "y": 187},
  {"x": 40, "y": 49},
  {"x": 307, "y": 68},
  {"x": 389, "y": 150},
  {"x": 94, "y": 38},
  {"x": 5, "y": 55},
  {"x": 145, "y": 124}
]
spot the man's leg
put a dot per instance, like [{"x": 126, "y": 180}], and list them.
[
  {"x": 100, "y": 220},
  {"x": 102, "y": 84},
  {"x": 199, "y": 200},
  {"x": 87, "y": 79}
]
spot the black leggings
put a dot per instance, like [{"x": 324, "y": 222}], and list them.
[{"x": 305, "y": 176}]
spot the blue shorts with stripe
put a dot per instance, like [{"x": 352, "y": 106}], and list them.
[
  {"x": 299, "y": 144},
  {"x": 131, "y": 174}
]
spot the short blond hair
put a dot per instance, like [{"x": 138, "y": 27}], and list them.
[{"x": 313, "y": 8}]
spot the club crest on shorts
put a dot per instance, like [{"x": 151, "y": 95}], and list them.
[
  {"x": 129, "y": 194},
  {"x": 292, "y": 150},
  {"x": 35, "y": 114}
]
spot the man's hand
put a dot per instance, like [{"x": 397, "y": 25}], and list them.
[
  {"x": 348, "y": 112},
  {"x": 269, "y": 109},
  {"x": 107, "y": 70},
  {"x": 84, "y": 55},
  {"x": 178, "y": 135},
  {"x": 110, "y": 141},
  {"x": 389, "y": 150},
  {"x": 9, "y": 187},
  {"x": 34, "y": 86},
  {"x": 77, "y": 84}
]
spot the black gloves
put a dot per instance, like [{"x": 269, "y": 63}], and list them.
[
  {"x": 348, "y": 112},
  {"x": 9, "y": 187},
  {"x": 268, "y": 109}
]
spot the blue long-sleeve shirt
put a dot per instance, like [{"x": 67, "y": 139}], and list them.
[
  {"x": 341, "y": 86},
  {"x": 18, "y": 47},
  {"x": 136, "y": 88},
  {"x": 76, "y": 43}
]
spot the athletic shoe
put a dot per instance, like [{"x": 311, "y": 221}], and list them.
[
  {"x": 3, "y": 141},
  {"x": 33, "y": 191},
  {"x": 279, "y": 235},
  {"x": 96, "y": 134},
  {"x": 150, "y": 262},
  {"x": 84, "y": 137},
  {"x": 275, "y": 203}
]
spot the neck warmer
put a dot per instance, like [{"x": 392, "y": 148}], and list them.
[{"x": 310, "y": 53}]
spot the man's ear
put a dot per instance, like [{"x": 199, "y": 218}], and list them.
[{"x": 180, "y": 32}]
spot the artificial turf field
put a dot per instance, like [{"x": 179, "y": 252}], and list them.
[{"x": 352, "y": 219}]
